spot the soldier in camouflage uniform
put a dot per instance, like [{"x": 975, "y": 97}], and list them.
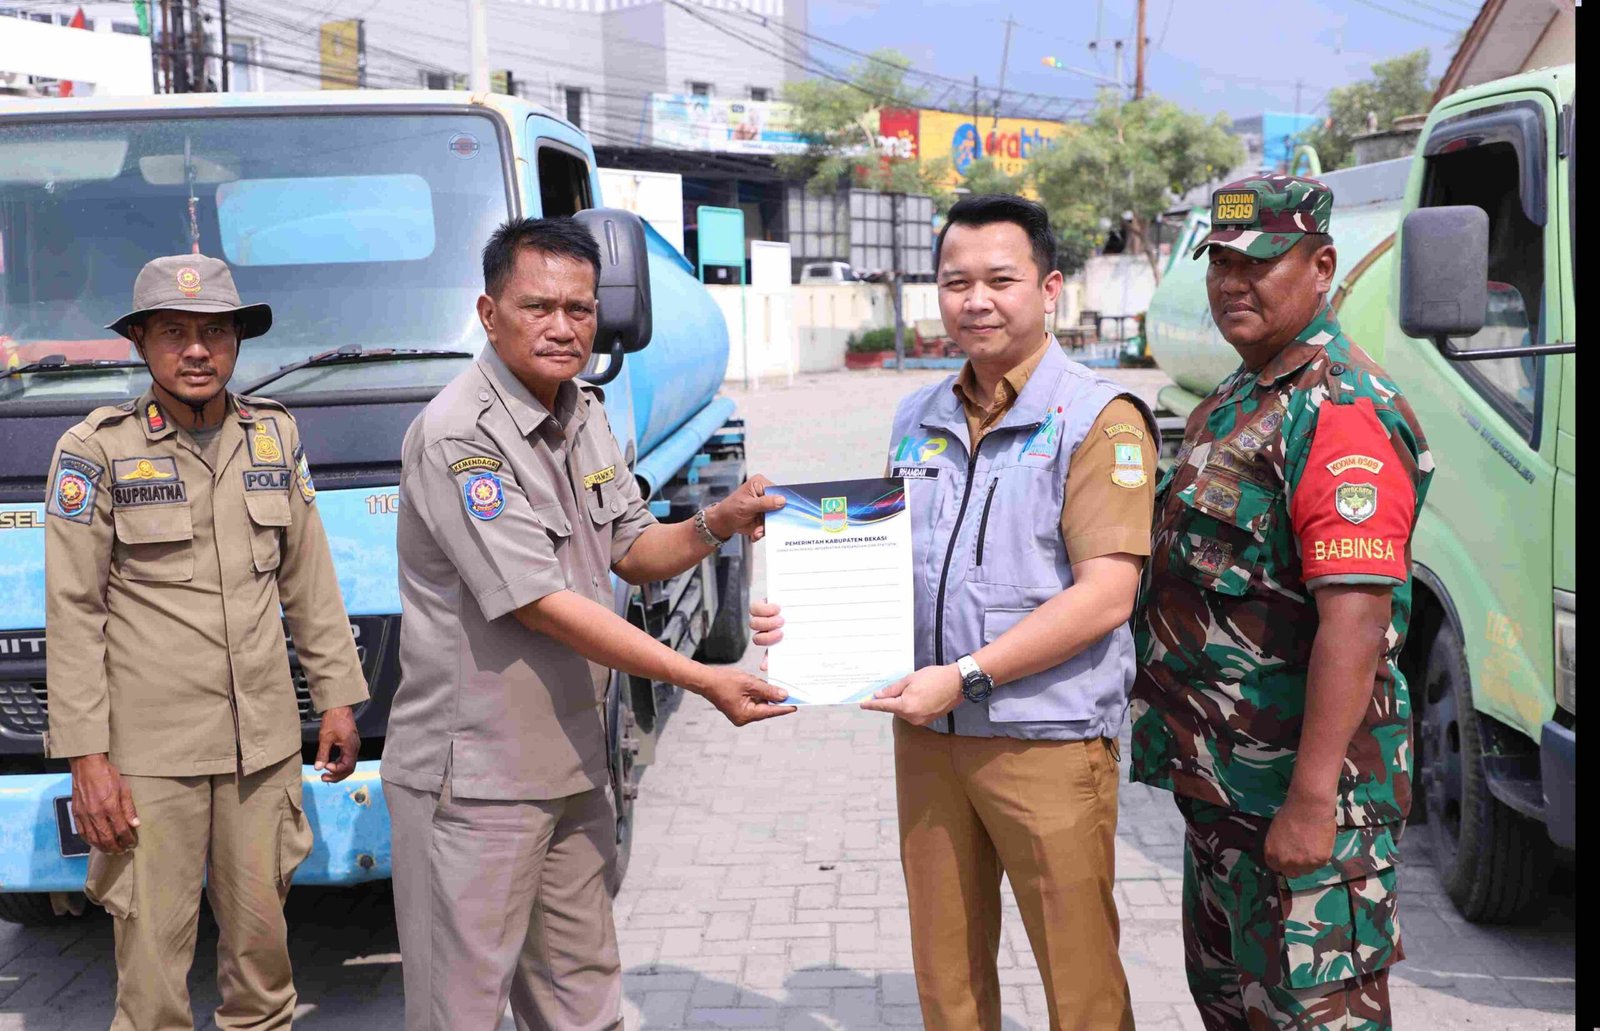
[{"x": 1275, "y": 606}]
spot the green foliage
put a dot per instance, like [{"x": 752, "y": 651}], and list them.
[
  {"x": 1131, "y": 158},
  {"x": 871, "y": 341},
  {"x": 840, "y": 120},
  {"x": 1399, "y": 86}
]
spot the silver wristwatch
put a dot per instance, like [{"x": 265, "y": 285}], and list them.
[{"x": 708, "y": 538}]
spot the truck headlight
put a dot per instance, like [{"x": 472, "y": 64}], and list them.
[{"x": 1567, "y": 651}]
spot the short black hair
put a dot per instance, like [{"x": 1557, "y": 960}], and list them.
[
  {"x": 564, "y": 237},
  {"x": 987, "y": 209}
]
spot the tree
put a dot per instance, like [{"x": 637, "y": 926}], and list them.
[
  {"x": 840, "y": 119},
  {"x": 1399, "y": 86},
  {"x": 1126, "y": 166}
]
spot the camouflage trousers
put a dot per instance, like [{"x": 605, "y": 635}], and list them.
[{"x": 1264, "y": 951}]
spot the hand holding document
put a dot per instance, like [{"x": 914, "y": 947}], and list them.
[{"x": 839, "y": 567}]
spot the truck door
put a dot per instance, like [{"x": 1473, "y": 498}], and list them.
[
  {"x": 1492, "y": 424},
  {"x": 564, "y": 182}
]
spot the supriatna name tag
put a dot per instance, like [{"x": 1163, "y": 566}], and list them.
[{"x": 131, "y": 495}]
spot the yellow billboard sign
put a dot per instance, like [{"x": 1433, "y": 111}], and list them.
[
  {"x": 955, "y": 141},
  {"x": 343, "y": 59}
]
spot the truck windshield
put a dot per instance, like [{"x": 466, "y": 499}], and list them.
[{"x": 358, "y": 228}]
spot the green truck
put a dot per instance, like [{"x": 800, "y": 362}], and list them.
[{"x": 1457, "y": 269}]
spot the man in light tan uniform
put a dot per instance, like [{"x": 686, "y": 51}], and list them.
[
  {"x": 177, "y": 526},
  {"x": 516, "y": 507}
]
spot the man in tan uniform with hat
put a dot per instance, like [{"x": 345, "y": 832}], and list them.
[{"x": 177, "y": 525}]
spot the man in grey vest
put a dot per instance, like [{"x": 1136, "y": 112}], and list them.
[{"x": 1031, "y": 522}]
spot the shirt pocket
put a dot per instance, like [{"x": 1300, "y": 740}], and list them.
[
  {"x": 1340, "y": 926},
  {"x": 604, "y": 502},
  {"x": 1226, "y": 532},
  {"x": 269, "y": 515},
  {"x": 154, "y": 543},
  {"x": 1017, "y": 540},
  {"x": 1048, "y": 695}
]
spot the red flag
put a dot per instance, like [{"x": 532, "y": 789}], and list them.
[{"x": 78, "y": 22}]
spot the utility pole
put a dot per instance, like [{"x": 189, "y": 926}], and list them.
[
  {"x": 222, "y": 31},
  {"x": 1297, "y": 84},
  {"x": 896, "y": 206},
  {"x": 1005, "y": 55},
  {"x": 178, "y": 48},
  {"x": 197, "y": 42},
  {"x": 1120, "y": 79},
  {"x": 1138, "y": 50},
  {"x": 974, "y": 103},
  {"x": 478, "y": 46}
]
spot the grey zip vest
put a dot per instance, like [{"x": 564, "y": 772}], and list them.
[{"x": 987, "y": 548}]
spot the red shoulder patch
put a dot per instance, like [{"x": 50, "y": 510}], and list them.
[{"x": 1353, "y": 507}]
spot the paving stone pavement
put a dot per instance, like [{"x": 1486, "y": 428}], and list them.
[{"x": 765, "y": 887}]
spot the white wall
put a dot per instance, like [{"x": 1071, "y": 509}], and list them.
[
  {"x": 98, "y": 63},
  {"x": 1118, "y": 284}
]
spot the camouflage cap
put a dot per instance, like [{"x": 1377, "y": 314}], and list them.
[
  {"x": 1265, "y": 215},
  {"x": 192, "y": 282}
]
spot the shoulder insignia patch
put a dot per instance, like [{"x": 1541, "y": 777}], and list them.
[
  {"x": 302, "y": 476},
  {"x": 485, "y": 497},
  {"x": 1124, "y": 427},
  {"x": 471, "y": 462},
  {"x": 1343, "y": 465},
  {"x": 605, "y": 475},
  {"x": 153, "y": 418},
  {"x": 1356, "y": 502},
  {"x": 72, "y": 494},
  {"x": 265, "y": 445},
  {"x": 1128, "y": 470}
]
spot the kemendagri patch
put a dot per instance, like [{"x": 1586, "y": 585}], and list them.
[
  {"x": 473, "y": 462},
  {"x": 485, "y": 496},
  {"x": 1356, "y": 502}
]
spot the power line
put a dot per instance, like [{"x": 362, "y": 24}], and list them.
[
  {"x": 1401, "y": 14},
  {"x": 1438, "y": 10}
]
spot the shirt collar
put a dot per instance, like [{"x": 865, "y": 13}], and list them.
[
  {"x": 1307, "y": 344},
  {"x": 1010, "y": 386},
  {"x": 526, "y": 411}
]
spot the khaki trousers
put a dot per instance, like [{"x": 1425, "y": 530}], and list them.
[
  {"x": 498, "y": 899},
  {"x": 243, "y": 838},
  {"x": 1044, "y": 813}
]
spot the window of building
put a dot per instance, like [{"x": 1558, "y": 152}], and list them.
[
  {"x": 127, "y": 28},
  {"x": 760, "y": 93},
  {"x": 563, "y": 181},
  {"x": 438, "y": 80},
  {"x": 699, "y": 89},
  {"x": 573, "y": 99},
  {"x": 1489, "y": 176},
  {"x": 242, "y": 66}
]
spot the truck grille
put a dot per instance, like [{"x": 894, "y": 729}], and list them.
[
  {"x": 22, "y": 706},
  {"x": 24, "y": 709}
]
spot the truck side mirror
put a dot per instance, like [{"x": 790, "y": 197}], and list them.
[
  {"x": 1444, "y": 271},
  {"x": 624, "y": 288}
]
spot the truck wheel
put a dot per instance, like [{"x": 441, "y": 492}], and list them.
[
  {"x": 729, "y": 635},
  {"x": 623, "y": 745},
  {"x": 1494, "y": 862},
  {"x": 37, "y": 909}
]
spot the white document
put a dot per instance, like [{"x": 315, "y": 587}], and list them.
[{"x": 839, "y": 566}]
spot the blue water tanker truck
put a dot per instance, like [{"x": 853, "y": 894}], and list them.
[{"x": 360, "y": 217}]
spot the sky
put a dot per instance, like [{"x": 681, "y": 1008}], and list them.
[{"x": 1241, "y": 57}]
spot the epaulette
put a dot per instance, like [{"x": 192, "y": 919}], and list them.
[
  {"x": 592, "y": 388},
  {"x": 261, "y": 402},
  {"x": 108, "y": 413}
]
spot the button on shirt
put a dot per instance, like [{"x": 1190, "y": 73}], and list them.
[
  {"x": 165, "y": 567},
  {"x": 502, "y": 503}
]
